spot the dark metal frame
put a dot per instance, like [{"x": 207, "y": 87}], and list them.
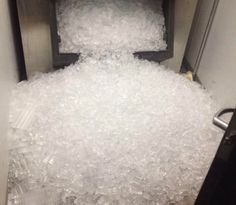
[
  {"x": 158, "y": 56},
  {"x": 17, "y": 40},
  {"x": 61, "y": 60},
  {"x": 219, "y": 187}
]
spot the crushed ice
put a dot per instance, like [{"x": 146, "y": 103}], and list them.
[
  {"x": 98, "y": 25},
  {"x": 110, "y": 129}
]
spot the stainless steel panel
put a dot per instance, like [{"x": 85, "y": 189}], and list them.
[{"x": 34, "y": 20}]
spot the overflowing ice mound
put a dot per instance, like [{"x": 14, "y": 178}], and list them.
[
  {"x": 111, "y": 130},
  {"x": 98, "y": 25}
]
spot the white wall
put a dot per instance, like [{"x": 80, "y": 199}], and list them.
[
  {"x": 217, "y": 69},
  {"x": 8, "y": 77}
]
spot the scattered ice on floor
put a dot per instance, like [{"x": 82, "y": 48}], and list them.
[
  {"x": 114, "y": 130},
  {"x": 100, "y": 25}
]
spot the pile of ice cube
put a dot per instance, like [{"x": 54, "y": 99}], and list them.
[
  {"x": 110, "y": 129},
  {"x": 100, "y": 25}
]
